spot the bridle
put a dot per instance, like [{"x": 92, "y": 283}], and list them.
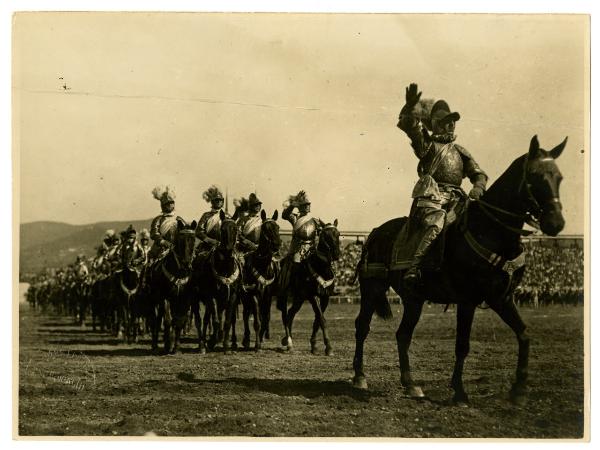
[{"x": 532, "y": 206}]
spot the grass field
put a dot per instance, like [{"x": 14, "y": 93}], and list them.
[{"x": 79, "y": 382}]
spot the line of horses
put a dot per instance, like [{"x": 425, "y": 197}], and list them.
[
  {"x": 207, "y": 288},
  {"x": 482, "y": 262}
]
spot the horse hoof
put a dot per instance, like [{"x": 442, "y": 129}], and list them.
[
  {"x": 329, "y": 351},
  {"x": 461, "y": 402},
  {"x": 360, "y": 382},
  {"x": 415, "y": 392}
]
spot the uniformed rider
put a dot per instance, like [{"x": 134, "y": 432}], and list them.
[
  {"x": 208, "y": 230},
  {"x": 249, "y": 225},
  {"x": 305, "y": 231},
  {"x": 442, "y": 166},
  {"x": 164, "y": 226}
]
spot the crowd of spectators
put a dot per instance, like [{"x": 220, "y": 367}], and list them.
[{"x": 554, "y": 274}]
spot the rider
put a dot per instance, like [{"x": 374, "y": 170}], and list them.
[
  {"x": 164, "y": 226},
  {"x": 249, "y": 225},
  {"x": 209, "y": 225},
  {"x": 305, "y": 231},
  {"x": 129, "y": 241},
  {"x": 442, "y": 166},
  {"x": 145, "y": 241}
]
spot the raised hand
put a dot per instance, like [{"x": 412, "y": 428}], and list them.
[{"x": 412, "y": 94}]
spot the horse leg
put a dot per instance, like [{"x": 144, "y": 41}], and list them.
[
  {"x": 229, "y": 312},
  {"x": 362, "y": 325},
  {"x": 317, "y": 304},
  {"x": 289, "y": 321},
  {"x": 198, "y": 324},
  {"x": 410, "y": 318},
  {"x": 510, "y": 315},
  {"x": 464, "y": 322},
  {"x": 246, "y": 316},
  {"x": 155, "y": 315},
  {"x": 233, "y": 322},
  {"x": 167, "y": 326},
  {"x": 265, "y": 307},
  {"x": 257, "y": 322}
]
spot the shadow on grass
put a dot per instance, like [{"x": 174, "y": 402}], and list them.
[{"x": 286, "y": 387}]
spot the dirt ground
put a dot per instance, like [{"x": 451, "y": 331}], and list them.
[{"x": 74, "y": 381}]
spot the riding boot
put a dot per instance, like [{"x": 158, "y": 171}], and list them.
[{"x": 413, "y": 275}]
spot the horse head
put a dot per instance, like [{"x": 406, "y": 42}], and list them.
[
  {"x": 185, "y": 239},
  {"x": 540, "y": 186},
  {"x": 269, "y": 232},
  {"x": 127, "y": 254},
  {"x": 229, "y": 232},
  {"x": 329, "y": 241}
]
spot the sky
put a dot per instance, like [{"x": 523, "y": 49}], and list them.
[{"x": 275, "y": 103}]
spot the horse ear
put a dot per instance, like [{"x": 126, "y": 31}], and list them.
[
  {"x": 556, "y": 151},
  {"x": 235, "y": 214},
  {"x": 335, "y": 222},
  {"x": 193, "y": 225},
  {"x": 275, "y": 215},
  {"x": 534, "y": 147},
  {"x": 222, "y": 215},
  {"x": 263, "y": 215}
]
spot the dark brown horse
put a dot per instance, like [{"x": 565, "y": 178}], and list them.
[
  {"x": 126, "y": 281},
  {"x": 215, "y": 283},
  {"x": 313, "y": 280},
  {"x": 259, "y": 280},
  {"x": 167, "y": 293},
  {"x": 483, "y": 261}
]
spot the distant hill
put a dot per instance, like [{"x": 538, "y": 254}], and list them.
[{"x": 55, "y": 244}]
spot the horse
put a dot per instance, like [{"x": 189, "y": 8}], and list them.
[
  {"x": 215, "y": 283},
  {"x": 166, "y": 295},
  {"x": 259, "y": 279},
  {"x": 483, "y": 261},
  {"x": 313, "y": 280},
  {"x": 126, "y": 281}
]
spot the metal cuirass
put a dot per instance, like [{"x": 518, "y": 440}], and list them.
[
  {"x": 251, "y": 228},
  {"x": 450, "y": 170},
  {"x": 305, "y": 230},
  {"x": 213, "y": 226}
]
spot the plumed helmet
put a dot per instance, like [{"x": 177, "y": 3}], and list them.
[
  {"x": 130, "y": 231},
  {"x": 253, "y": 200},
  {"x": 109, "y": 235},
  {"x": 145, "y": 234},
  {"x": 241, "y": 204},
  {"x": 212, "y": 193},
  {"x": 164, "y": 194},
  {"x": 302, "y": 199},
  {"x": 440, "y": 112}
]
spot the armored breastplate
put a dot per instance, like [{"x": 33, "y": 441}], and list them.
[
  {"x": 450, "y": 169},
  {"x": 213, "y": 226},
  {"x": 251, "y": 229},
  {"x": 305, "y": 228},
  {"x": 168, "y": 227}
]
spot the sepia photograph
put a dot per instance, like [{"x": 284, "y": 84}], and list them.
[{"x": 301, "y": 225}]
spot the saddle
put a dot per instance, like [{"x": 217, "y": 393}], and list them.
[{"x": 408, "y": 239}]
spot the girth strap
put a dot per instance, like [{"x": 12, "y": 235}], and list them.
[{"x": 508, "y": 266}]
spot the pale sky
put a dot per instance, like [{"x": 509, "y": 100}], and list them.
[{"x": 280, "y": 102}]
